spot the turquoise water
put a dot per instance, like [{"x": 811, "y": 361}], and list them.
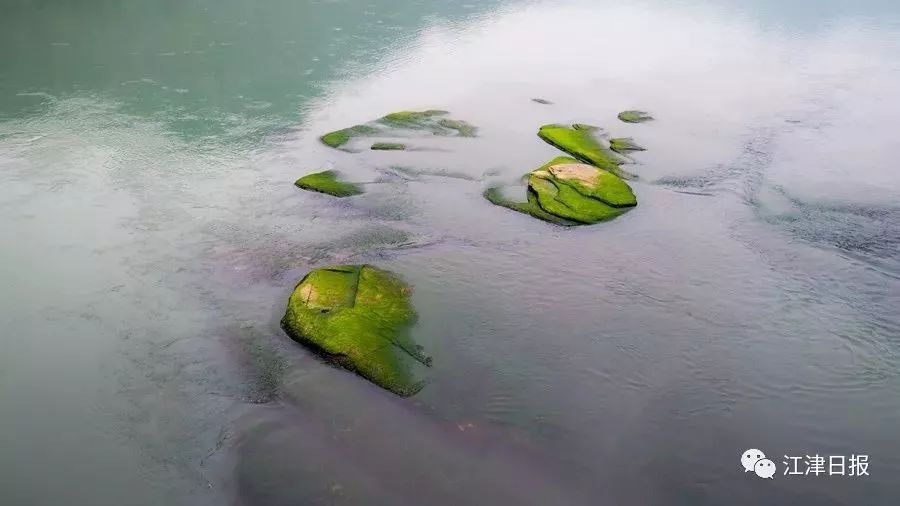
[{"x": 151, "y": 235}]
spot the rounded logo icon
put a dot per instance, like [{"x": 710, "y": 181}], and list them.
[
  {"x": 764, "y": 468},
  {"x": 750, "y": 458}
]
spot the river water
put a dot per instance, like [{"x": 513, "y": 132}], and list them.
[{"x": 151, "y": 235}]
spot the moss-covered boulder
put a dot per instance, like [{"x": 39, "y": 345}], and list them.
[
  {"x": 567, "y": 192},
  {"x": 359, "y": 317},
  {"x": 584, "y": 143},
  {"x": 623, "y": 145},
  {"x": 635, "y": 116},
  {"x": 402, "y": 124},
  {"x": 328, "y": 182}
]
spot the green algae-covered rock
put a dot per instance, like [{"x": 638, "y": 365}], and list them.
[
  {"x": 582, "y": 142},
  {"x": 327, "y": 182},
  {"x": 338, "y": 138},
  {"x": 567, "y": 192},
  {"x": 402, "y": 124},
  {"x": 623, "y": 145},
  {"x": 388, "y": 146},
  {"x": 580, "y": 192},
  {"x": 634, "y": 116},
  {"x": 359, "y": 316}
]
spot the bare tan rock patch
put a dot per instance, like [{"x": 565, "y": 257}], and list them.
[{"x": 581, "y": 172}]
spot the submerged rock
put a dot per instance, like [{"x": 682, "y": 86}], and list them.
[
  {"x": 582, "y": 142},
  {"x": 400, "y": 124},
  {"x": 624, "y": 145},
  {"x": 464, "y": 128},
  {"x": 327, "y": 182},
  {"x": 412, "y": 120},
  {"x": 358, "y": 316},
  {"x": 567, "y": 192},
  {"x": 388, "y": 146},
  {"x": 634, "y": 116}
]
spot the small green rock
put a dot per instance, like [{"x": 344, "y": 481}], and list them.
[
  {"x": 327, "y": 182},
  {"x": 581, "y": 141},
  {"x": 634, "y": 116},
  {"x": 388, "y": 146},
  {"x": 358, "y": 316},
  {"x": 623, "y": 145}
]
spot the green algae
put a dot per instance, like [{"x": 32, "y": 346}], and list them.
[
  {"x": 581, "y": 142},
  {"x": 327, "y": 182},
  {"x": 567, "y": 192},
  {"x": 358, "y": 317},
  {"x": 416, "y": 120},
  {"x": 338, "y": 138},
  {"x": 464, "y": 128},
  {"x": 412, "y": 118},
  {"x": 623, "y": 145},
  {"x": 568, "y": 203},
  {"x": 635, "y": 116},
  {"x": 400, "y": 124},
  {"x": 591, "y": 182},
  {"x": 388, "y": 146},
  {"x": 530, "y": 207}
]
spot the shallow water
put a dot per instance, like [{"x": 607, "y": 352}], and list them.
[{"x": 152, "y": 234}]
